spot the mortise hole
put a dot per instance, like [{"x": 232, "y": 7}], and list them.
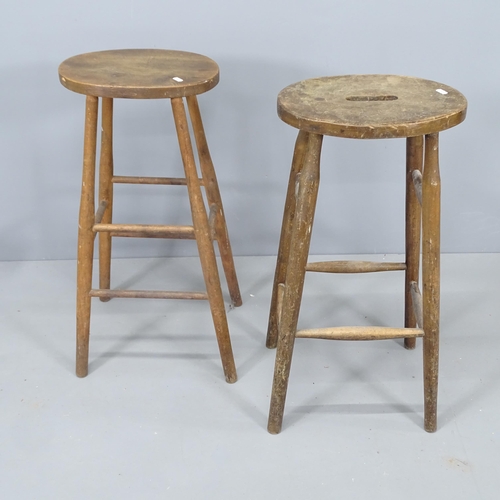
[{"x": 372, "y": 97}]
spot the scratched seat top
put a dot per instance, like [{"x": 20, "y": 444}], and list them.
[{"x": 371, "y": 106}]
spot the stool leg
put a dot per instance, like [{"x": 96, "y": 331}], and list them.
[
  {"x": 307, "y": 191},
  {"x": 214, "y": 198},
  {"x": 106, "y": 193},
  {"x": 86, "y": 239},
  {"x": 414, "y": 157},
  {"x": 284, "y": 245},
  {"x": 431, "y": 209},
  {"x": 204, "y": 241}
]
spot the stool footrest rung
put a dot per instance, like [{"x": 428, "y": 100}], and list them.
[
  {"x": 359, "y": 333},
  {"x": 354, "y": 266},
  {"x": 159, "y": 181},
  {"x": 147, "y": 231},
  {"x": 147, "y": 294}
]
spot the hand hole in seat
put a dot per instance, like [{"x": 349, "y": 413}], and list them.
[{"x": 372, "y": 97}]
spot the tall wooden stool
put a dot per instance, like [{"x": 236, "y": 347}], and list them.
[
  {"x": 148, "y": 74},
  {"x": 363, "y": 107}
]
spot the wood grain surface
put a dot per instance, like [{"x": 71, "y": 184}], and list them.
[
  {"x": 371, "y": 106},
  {"x": 139, "y": 73}
]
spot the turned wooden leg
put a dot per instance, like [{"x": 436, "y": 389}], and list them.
[
  {"x": 306, "y": 191},
  {"x": 86, "y": 239},
  {"x": 414, "y": 157},
  {"x": 204, "y": 241},
  {"x": 431, "y": 213},
  {"x": 284, "y": 245},
  {"x": 214, "y": 198},
  {"x": 106, "y": 193}
]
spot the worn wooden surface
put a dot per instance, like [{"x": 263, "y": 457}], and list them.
[
  {"x": 100, "y": 211},
  {"x": 215, "y": 201},
  {"x": 306, "y": 191},
  {"x": 359, "y": 333},
  {"x": 354, "y": 266},
  {"x": 139, "y": 73},
  {"x": 414, "y": 161},
  {"x": 157, "y": 181},
  {"x": 204, "y": 241},
  {"x": 86, "y": 238},
  {"x": 416, "y": 299},
  {"x": 148, "y": 294},
  {"x": 431, "y": 224},
  {"x": 371, "y": 106},
  {"x": 106, "y": 192},
  {"x": 416, "y": 176},
  {"x": 146, "y": 231},
  {"x": 301, "y": 145}
]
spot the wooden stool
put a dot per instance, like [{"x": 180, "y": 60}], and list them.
[
  {"x": 363, "y": 107},
  {"x": 148, "y": 74}
]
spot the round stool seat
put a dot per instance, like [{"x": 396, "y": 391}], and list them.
[
  {"x": 139, "y": 73},
  {"x": 371, "y": 106}
]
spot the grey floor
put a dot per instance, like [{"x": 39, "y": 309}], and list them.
[{"x": 154, "y": 419}]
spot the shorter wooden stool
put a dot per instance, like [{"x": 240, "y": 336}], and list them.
[
  {"x": 148, "y": 74},
  {"x": 363, "y": 107}
]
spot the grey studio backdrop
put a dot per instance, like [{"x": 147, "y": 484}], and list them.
[{"x": 261, "y": 47}]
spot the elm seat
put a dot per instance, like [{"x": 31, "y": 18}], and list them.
[
  {"x": 371, "y": 106},
  {"x": 148, "y": 74},
  {"x": 139, "y": 74},
  {"x": 363, "y": 107}
]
